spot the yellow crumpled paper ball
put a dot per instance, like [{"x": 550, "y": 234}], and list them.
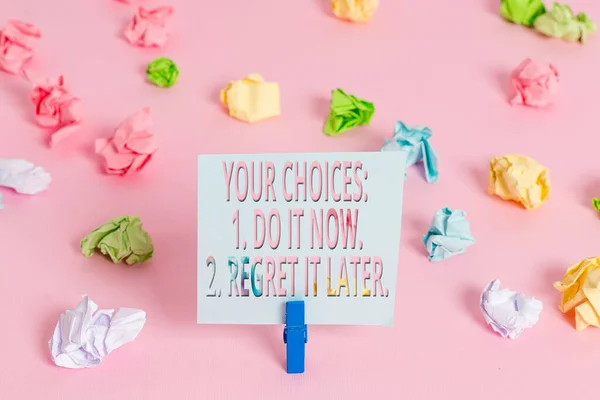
[
  {"x": 252, "y": 99},
  {"x": 580, "y": 290},
  {"x": 519, "y": 178},
  {"x": 354, "y": 10}
]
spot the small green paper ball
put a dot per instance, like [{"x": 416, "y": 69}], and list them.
[{"x": 162, "y": 72}]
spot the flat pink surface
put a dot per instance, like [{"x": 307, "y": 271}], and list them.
[{"x": 441, "y": 63}]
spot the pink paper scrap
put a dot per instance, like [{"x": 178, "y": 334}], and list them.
[
  {"x": 16, "y": 46},
  {"x": 57, "y": 108},
  {"x": 131, "y": 147},
  {"x": 150, "y": 27},
  {"x": 535, "y": 83}
]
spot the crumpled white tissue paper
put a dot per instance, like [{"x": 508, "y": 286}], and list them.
[
  {"x": 23, "y": 176},
  {"x": 85, "y": 335},
  {"x": 509, "y": 313}
]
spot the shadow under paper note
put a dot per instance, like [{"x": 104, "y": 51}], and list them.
[{"x": 269, "y": 340}]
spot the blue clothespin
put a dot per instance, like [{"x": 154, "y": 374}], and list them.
[{"x": 295, "y": 336}]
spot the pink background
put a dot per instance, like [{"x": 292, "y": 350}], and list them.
[{"x": 441, "y": 63}]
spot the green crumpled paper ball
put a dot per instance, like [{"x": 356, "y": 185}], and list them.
[
  {"x": 523, "y": 12},
  {"x": 120, "y": 239},
  {"x": 347, "y": 112},
  {"x": 162, "y": 72},
  {"x": 562, "y": 23}
]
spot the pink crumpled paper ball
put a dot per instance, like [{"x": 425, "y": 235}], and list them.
[
  {"x": 536, "y": 84},
  {"x": 131, "y": 147},
  {"x": 150, "y": 27},
  {"x": 56, "y": 107},
  {"x": 16, "y": 46}
]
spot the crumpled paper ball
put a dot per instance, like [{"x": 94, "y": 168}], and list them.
[
  {"x": 448, "y": 235},
  {"x": 23, "y": 176},
  {"x": 57, "y": 108},
  {"x": 522, "y": 12},
  {"x": 561, "y": 23},
  {"x": 150, "y": 27},
  {"x": 16, "y": 46},
  {"x": 414, "y": 141},
  {"x": 354, "y": 10},
  {"x": 131, "y": 147},
  {"x": 121, "y": 238},
  {"x": 85, "y": 335},
  {"x": 347, "y": 112},
  {"x": 580, "y": 288},
  {"x": 535, "y": 84},
  {"x": 519, "y": 178},
  {"x": 251, "y": 99},
  {"x": 509, "y": 313},
  {"x": 162, "y": 72}
]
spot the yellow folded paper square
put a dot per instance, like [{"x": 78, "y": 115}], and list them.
[
  {"x": 251, "y": 99},
  {"x": 519, "y": 178},
  {"x": 580, "y": 291},
  {"x": 354, "y": 10}
]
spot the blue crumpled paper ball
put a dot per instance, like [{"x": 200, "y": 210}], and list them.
[
  {"x": 415, "y": 142},
  {"x": 449, "y": 234}
]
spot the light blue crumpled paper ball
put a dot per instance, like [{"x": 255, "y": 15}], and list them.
[
  {"x": 449, "y": 234},
  {"x": 415, "y": 141}
]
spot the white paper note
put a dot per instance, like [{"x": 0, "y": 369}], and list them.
[{"x": 279, "y": 235}]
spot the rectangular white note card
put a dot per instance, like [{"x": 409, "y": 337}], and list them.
[{"x": 323, "y": 228}]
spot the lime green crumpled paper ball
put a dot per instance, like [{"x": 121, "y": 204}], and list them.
[
  {"x": 121, "y": 239},
  {"x": 562, "y": 23},
  {"x": 523, "y": 12},
  {"x": 162, "y": 72}
]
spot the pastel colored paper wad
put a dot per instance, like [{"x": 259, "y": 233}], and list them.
[
  {"x": 535, "y": 84},
  {"x": 354, "y": 10},
  {"x": 120, "y": 239},
  {"x": 522, "y": 12},
  {"x": 251, "y": 99},
  {"x": 580, "y": 288},
  {"x": 560, "y": 22},
  {"x": 415, "y": 141},
  {"x": 520, "y": 179},
  {"x": 16, "y": 46},
  {"x": 56, "y": 108},
  {"x": 131, "y": 147}
]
